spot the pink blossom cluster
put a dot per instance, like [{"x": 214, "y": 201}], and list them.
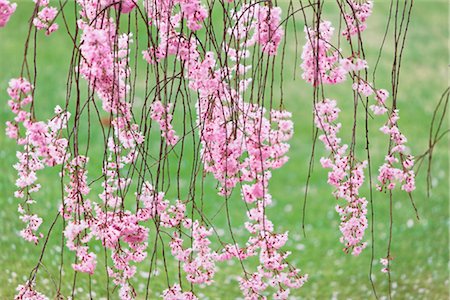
[
  {"x": 345, "y": 177},
  {"x": 6, "y": 10},
  {"x": 105, "y": 66},
  {"x": 45, "y": 17},
  {"x": 193, "y": 12},
  {"x": 366, "y": 89},
  {"x": 380, "y": 97},
  {"x": 128, "y": 135},
  {"x": 164, "y": 15},
  {"x": 267, "y": 28},
  {"x": 27, "y": 292},
  {"x": 199, "y": 260},
  {"x": 167, "y": 14},
  {"x": 355, "y": 19},
  {"x": 74, "y": 208},
  {"x": 160, "y": 113},
  {"x": 320, "y": 61},
  {"x": 226, "y": 141},
  {"x": 239, "y": 144},
  {"x": 122, "y": 233},
  {"x": 124, "y": 6},
  {"x": 231, "y": 128},
  {"x": 274, "y": 270},
  {"x": 42, "y": 146},
  {"x": 261, "y": 23},
  {"x": 20, "y": 92},
  {"x": 119, "y": 230},
  {"x": 86, "y": 261},
  {"x": 398, "y": 166},
  {"x": 104, "y": 69},
  {"x": 324, "y": 64},
  {"x": 256, "y": 283},
  {"x": 175, "y": 293},
  {"x": 389, "y": 174}
]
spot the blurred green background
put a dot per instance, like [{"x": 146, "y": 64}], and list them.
[{"x": 420, "y": 268}]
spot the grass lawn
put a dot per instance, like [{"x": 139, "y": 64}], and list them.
[{"x": 420, "y": 248}]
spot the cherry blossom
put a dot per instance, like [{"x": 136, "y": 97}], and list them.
[
  {"x": 345, "y": 177},
  {"x": 27, "y": 292},
  {"x": 356, "y": 17},
  {"x": 6, "y": 10},
  {"x": 45, "y": 17}
]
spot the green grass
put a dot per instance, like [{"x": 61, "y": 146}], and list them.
[{"x": 420, "y": 249}]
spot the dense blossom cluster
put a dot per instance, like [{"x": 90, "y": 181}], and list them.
[
  {"x": 175, "y": 293},
  {"x": 242, "y": 130},
  {"x": 124, "y": 6},
  {"x": 74, "y": 207},
  {"x": 105, "y": 67},
  {"x": 257, "y": 24},
  {"x": 356, "y": 17},
  {"x": 320, "y": 61},
  {"x": 398, "y": 164},
  {"x": 6, "y": 10},
  {"x": 321, "y": 65},
  {"x": 241, "y": 142},
  {"x": 198, "y": 260},
  {"x": 42, "y": 146},
  {"x": 162, "y": 14},
  {"x": 45, "y": 17},
  {"x": 161, "y": 114},
  {"x": 347, "y": 179},
  {"x": 27, "y": 292}
]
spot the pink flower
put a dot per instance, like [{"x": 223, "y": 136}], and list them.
[
  {"x": 6, "y": 10},
  {"x": 355, "y": 19},
  {"x": 385, "y": 262},
  {"x": 161, "y": 114},
  {"x": 398, "y": 165},
  {"x": 11, "y": 130},
  {"x": 42, "y": 146},
  {"x": 126, "y": 6},
  {"x": 347, "y": 181},
  {"x": 175, "y": 293},
  {"x": 320, "y": 62},
  {"x": 45, "y": 18},
  {"x": 87, "y": 261},
  {"x": 27, "y": 292}
]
